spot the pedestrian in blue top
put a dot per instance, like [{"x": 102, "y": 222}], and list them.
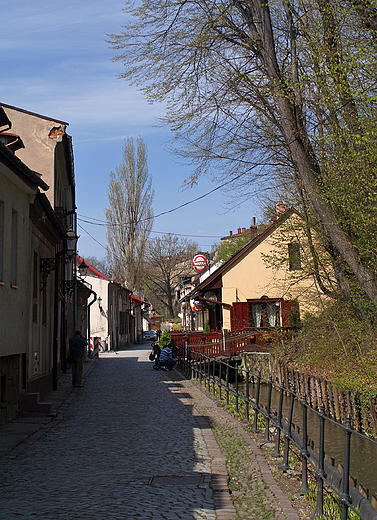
[
  {"x": 166, "y": 359},
  {"x": 77, "y": 352}
]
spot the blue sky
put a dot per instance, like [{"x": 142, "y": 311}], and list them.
[{"x": 56, "y": 62}]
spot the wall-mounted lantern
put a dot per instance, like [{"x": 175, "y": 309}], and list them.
[{"x": 50, "y": 264}]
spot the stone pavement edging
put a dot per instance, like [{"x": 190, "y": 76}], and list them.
[
  {"x": 223, "y": 500},
  {"x": 63, "y": 397},
  {"x": 224, "y": 507},
  {"x": 223, "y": 504}
]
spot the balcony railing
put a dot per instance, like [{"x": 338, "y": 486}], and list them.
[{"x": 229, "y": 343}]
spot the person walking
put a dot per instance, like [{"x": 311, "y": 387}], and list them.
[{"x": 77, "y": 352}]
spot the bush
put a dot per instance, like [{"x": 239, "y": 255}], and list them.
[
  {"x": 165, "y": 339},
  {"x": 336, "y": 345}
]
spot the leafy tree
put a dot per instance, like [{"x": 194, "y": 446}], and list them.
[
  {"x": 101, "y": 265},
  {"x": 129, "y": 215},
  {"x": 229, "y": 247},
  {"x": 169, "y": 259},
  {"x": 264, "y": 89}
]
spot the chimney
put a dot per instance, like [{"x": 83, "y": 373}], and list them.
[
  {"x": 253, "y": 229},
  {"x": 239, "y": 231},
  {"x": 281, "y": 208},
  {"x": 243, "y": 230},
  {"x": 230, "y": 233}
]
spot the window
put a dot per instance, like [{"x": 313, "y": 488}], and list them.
[
  {"x": 44, "y": 304},
  {"x": 265, "y": 314},
  {"x": 294, "y": 256},
  {"x": 14, "y": 245},
  {"x": 1, "y": 239},
  {"x": 35, "y": 287},
  {"x": 2, "y": 390}
]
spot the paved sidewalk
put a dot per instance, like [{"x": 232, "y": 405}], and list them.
[{"x": 133, "y": 443}]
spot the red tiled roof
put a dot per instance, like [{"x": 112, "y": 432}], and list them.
[{"x": 94, "y": 270}]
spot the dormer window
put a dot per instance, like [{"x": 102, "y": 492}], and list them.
[{"x": 12, "y": 141}]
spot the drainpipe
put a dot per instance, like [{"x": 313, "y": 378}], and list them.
[
  {"x": 118, "y": 323},
  {"x": 75, "y": 273},
  {"x": 56, "y": 320},
  {"x": 89, "y": 305}
]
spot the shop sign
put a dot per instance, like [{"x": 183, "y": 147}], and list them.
[
  {"x": 210, "y": 296},
  {"x": 200, "y": 263},
  {"x": 196, "y": 305}
]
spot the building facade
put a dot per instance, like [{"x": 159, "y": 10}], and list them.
[{"x": 37, "y": 245}]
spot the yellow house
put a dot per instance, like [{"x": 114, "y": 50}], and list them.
[{"x": 266, "y": 284}]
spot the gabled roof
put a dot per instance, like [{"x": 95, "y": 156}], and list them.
[
  {"x": 33, "y": 114},
  {"x": 217, "y": 275},
  {"x": 30, "y": 177},
  {"x": 94, "y": 270}
]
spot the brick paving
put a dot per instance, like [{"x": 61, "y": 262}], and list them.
[{"x": 133, "y": 443}]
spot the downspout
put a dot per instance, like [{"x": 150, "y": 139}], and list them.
[
  {"x": 74, "y": 267},
  {"x": 88, "y": 331},
  {"x": 118, "y": 322},
  {"x": 56, "y": 320}
]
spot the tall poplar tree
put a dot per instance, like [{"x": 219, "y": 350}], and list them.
[{"x": 129, "y": 215}]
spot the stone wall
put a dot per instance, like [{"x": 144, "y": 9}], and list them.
[{"x": 10, "y": 368}]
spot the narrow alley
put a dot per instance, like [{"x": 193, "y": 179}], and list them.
[{"x": 133, "y": 443}]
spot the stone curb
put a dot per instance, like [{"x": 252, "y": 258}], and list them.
[
  {"x": 223, "y": 504},
  {"x": 285, "y": 504}
]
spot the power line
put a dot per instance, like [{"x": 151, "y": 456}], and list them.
[
  {"x": 182, "y": 235},
  {"x": 160, "y": 232},
  {"x": 102, "y": 222},
  {"x": 91, "y": 236}
]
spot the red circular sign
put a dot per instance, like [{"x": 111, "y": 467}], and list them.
[{"x": 200, "y": 263}]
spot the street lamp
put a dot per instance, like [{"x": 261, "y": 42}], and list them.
[
  {"x": 63, "y": 257},
  {"x": 71, "y": 243},
  {"x": 83, "y": 267}
]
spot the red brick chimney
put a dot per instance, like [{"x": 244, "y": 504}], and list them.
[{"x": 281, "y": 208}]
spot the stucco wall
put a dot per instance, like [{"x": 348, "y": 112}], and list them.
[
  {"x": 39, "y": 151},
  {"x": 98, "y": 318},
  {"x": 251, "y": 278},
  {"x": 14, "y": 317}
]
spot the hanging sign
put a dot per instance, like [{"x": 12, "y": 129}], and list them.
[
  {"x": 210, "y": 296},
  {"x": 196, "y": 305},
  {"x": 200, "y": 263}
]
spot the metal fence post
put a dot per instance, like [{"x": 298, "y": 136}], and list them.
[
  {"x": 304, "y": 449},
  {"x": 276, "y": 452},
  {"x": 284, "y": 466},
  {"x": 220, "y": 374},
  {"x": 256, "y": 406},
  {"x": 200, "y": 368},
  {"x": 320, "y": 473},
  {"x": 236, "y": 385},
  {"x": 227, "y": 383},
  {"x": 267, "y": 430},
  {"x": 344, "y": 498},
  {"x": 247, "y": 418}
]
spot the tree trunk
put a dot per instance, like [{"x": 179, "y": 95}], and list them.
[{"x": 298, "y": 143}]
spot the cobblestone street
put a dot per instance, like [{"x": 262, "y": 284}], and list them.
[{"x": 130, "y": 444}]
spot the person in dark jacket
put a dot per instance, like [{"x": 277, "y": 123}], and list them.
[
  {"x": 77, "y": 351},
  {"x": 167, "y": 359}
]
